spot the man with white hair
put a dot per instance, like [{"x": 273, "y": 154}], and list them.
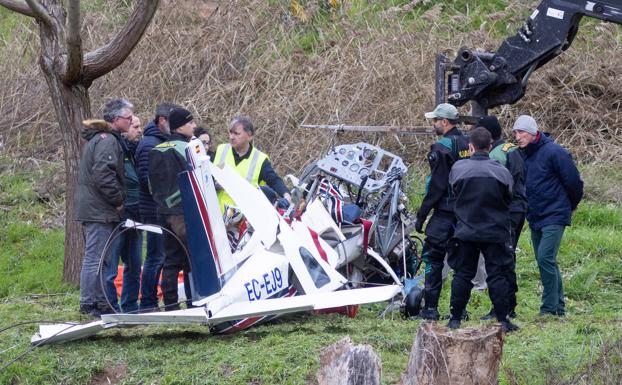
[
  {"x": 554, "y": 189},
  {"x": 100, "y": 196}
]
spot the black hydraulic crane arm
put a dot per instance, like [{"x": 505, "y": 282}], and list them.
[{"x": 489, "y": 79}]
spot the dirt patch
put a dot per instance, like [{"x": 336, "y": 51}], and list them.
[{"x": 110, "y": 376}]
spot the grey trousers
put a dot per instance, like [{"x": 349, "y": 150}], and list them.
[{"x": 96, "y": 236}]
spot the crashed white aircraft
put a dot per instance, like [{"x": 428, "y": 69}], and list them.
[{"x": 283, "y": 266}]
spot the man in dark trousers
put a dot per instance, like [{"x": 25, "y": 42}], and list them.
[
  {"x": 166, "y": 161},
  {"x": 99, "y": 199},
  {"x": 554, "y": 190},
  {"x": 452, "y": 147},
  {"x": 483, "y": 193},
  {"x": 156, "y": 132},
  {"x": 506, "y": 153},
  {"x": 129, "y": 244}
]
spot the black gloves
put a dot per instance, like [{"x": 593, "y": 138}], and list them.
[{"x": 419, "y": 225}]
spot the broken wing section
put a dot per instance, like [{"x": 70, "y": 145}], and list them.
[{"x": 316, "y": 301}]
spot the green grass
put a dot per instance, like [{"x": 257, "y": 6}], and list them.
[{"x": 544, "y": 351}]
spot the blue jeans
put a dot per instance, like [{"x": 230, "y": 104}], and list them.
[
  {"x": 96, "y": 236},
  {"x": 128, "y": 247},
  {"x": 546, "y": 243},
  {"x": 152, "y": 268}
]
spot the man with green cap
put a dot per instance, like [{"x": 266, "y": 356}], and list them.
[{"x": 452, "y": 147}]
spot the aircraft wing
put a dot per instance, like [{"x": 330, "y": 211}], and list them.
[
  {"x": 57, "y": 333},
  {"x": 48, "y": 334},
  {"x": 315, "y": 301}
]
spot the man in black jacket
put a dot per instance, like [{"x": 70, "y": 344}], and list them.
[
  {"x": 166, "y": 161},
  {"x": 100, "y": 195},
  {"x": 483, "y": 191},
  {"x": 156, "y": 132},
  {"x": 443, "y": 154},
  {"x": 506, "y": 153}
]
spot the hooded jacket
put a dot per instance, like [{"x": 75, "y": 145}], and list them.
[
  {"x": 151, "y": 138},
  {"x": 553, "y": 184},
  {"x": 101, "y": 178}
]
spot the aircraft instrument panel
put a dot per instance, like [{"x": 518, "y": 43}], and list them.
[{"x": 356, "y": 162}]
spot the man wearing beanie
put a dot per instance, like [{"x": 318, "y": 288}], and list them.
[
  {"x": 157, "y": 131},
  {"x": 166, "y": 161},
  {"x": 450, "y": 148},
  {"x": 554, "y": 189},
  {"x": 506, "y": 154}
]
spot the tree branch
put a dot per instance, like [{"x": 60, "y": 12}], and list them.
[
  {"x": 18, "y": 6},
  {"x": 74, "y": 43},
  {"x": 39, "y": 12},
  {"x": 108, "y": 57}
]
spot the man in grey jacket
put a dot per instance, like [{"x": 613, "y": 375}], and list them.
[{"x": 100, "y": 195}]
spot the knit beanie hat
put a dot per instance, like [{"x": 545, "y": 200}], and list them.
[
  {"x": 178, "y": 117},
  {"x": 491, "y": 123},
  {"x": 526, "y": 123}
]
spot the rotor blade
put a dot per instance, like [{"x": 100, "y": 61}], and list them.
[{"x": 415, "y": 130}]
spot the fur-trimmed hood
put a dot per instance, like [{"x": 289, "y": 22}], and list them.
[{"x": 94, "y": 126}]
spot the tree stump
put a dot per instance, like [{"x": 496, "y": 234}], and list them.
[
  {"x": 442, "y": 356},
  {"x": 345, "y": 364}
]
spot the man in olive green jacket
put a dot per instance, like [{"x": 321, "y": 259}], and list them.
[{"x": 100, "y": 194}]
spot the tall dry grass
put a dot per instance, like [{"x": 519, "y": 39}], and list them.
[{"x": 221, "y": 59}]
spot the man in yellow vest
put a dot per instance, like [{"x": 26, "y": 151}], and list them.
[{"x": 250, "y": 163}]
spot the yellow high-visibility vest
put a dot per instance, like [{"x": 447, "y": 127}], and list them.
[{"x": 248, "y": 169}]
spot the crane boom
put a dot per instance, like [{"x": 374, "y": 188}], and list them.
[{"x": 490, "y": 79}]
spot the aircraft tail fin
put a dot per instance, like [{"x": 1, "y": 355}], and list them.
[{"x": 207, "y": 238}]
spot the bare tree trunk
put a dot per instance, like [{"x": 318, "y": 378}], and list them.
[
  {"x": 73, "y": 102},
  {"x": 69, "y": 73},
  {"x": 72, "y": 105},
  {"x": 441, "y": 356}
]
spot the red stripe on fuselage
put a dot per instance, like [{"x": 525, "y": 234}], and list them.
[
  {"x": 248, "y": 322},
  {"x": 318, "y": 246},
  {"x": 205, "y": 219}
]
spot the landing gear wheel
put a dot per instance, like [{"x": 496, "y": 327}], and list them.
[{"x": 412, "y": 303}]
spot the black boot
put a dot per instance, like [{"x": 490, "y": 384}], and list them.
[
  {"x": 454, "y": 324},
  {"x": 508, "y": 326},
  {"x": 490, "y": 315},
  {"x": 430, "y": 314}
]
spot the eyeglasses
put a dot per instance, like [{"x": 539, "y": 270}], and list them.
[{"x": 128, "y": 118}]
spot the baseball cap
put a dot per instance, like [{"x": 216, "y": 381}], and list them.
[{"x": 443, "y": 111}]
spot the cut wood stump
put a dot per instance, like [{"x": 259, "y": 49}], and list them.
[
  {"x": 442, "y": 356},
  {"x": 345, "y": 364}
]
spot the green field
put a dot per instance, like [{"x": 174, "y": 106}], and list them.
[
  {"x": 584, "y": 347},
  {"x": 379, "y": 47}
]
